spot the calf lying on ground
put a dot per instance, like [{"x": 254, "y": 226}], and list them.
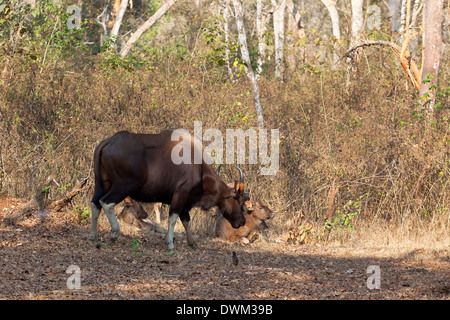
[{"x": 254, "y": 221}]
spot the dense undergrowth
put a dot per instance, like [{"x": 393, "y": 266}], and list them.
[{"x": 362, "y": 155}]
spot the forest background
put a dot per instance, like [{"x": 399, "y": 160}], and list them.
[{"x": 363, "y": 116}]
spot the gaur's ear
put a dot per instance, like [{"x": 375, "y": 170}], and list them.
[
  {"x": 249, "y": 205},
  {"x": 236, "y": 186},
  {"x": 239, "y": 186}
]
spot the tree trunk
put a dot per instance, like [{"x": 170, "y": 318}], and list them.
[
  {"x": 433, "y": 14},
  {"x": 357, "y": 28},
  {"x": 394, "y": 11},
  {"x": 114, "y": 12},
  {"x": 226, "y": 15},
  {"x": 261, "y": 20},
  {"x": 357, "y": 21},
  {"x": 242, "y": 39},
  {"x": 145, "y": 26},
  {"x": 331, "y": 6},
  {"x": 296, "y": 32},
  {"x": 278, "y": 32},
  {"x": 402, "y": 16},
  {"x": 115, "y": 29}
]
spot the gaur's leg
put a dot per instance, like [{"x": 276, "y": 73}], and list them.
[
  {"x": 185, "y": 218},
  {"x": 176, "y": 207},
  {"x": 95, "y": 212},
  {"x": 115, "y": 228},
  {"x": 171, "y": 225},
  {"x": 108, "y": 201}
]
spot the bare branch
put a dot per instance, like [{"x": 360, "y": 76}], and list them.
[
  {"x": 105, "y": 18},
  {"x": 405, "y": 58}
]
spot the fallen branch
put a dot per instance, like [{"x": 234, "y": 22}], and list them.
[
  {"x": 40, "y": 204},
  {"x": 57, "y": 205},
  {"x": 35, "y": 204}
]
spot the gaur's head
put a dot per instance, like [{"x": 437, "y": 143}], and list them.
[{"x": 232, "y": 204}]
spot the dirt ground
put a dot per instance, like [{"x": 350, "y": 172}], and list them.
[{"x": 36, "y": 253}]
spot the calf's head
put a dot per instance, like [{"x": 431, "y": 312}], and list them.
[{"x": 259, "y": 210}]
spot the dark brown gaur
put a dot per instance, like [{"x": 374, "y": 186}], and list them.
[{"x": 140, "y": 166}]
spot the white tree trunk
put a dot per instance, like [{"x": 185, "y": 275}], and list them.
[
  {"x": 226, "y": 15},
  {"x": 242, "y": 39},
  {"x": 433, "y": 15},
  {"x": 332, "y": 10},
  {"x": 357, "y": 21},
  {"x": 261, "y": 20},
  {"x": 278, "y": 32},
  {"x": 357, "y": 28},
  {"x": 394, "y": 10},
  {"x": 296, "y": 32},
  {"x": 145, "y": 26},
  {"x": 115, "y": 29},
  {"x": 113, "y": 14},
  {"x": 402, "y": 16}
]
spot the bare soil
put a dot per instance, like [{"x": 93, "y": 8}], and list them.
[{"x": 36, "y": 253}]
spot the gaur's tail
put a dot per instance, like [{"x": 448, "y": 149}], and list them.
[{"x": 99, "y": 190}]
